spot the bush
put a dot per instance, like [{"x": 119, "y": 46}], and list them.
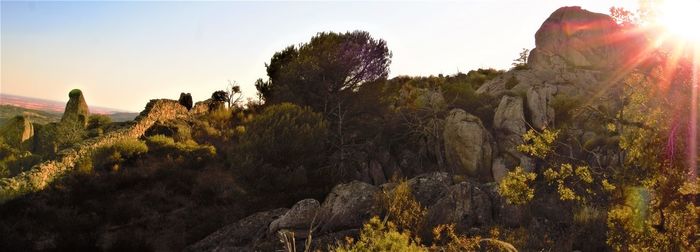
[
  {"x": 188, "y": 152},
  {"x": 379, "y": 236},
  {"x": 515, "y": 186},
  {"x": 283, "y": 139},
  {"x": 111, "y": 157},
  {"x": 402, "y": 207},
  {"x": 98, "y": 121}
]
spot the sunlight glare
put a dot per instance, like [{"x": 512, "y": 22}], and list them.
[{"x": 681, "y": 18}]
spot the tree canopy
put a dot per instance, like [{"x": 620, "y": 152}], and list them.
[{"x": 316, "y": 73}]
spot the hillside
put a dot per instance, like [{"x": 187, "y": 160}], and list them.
[
  {"x": 50, "y": 111},
  {"x": 37, "y": 116},
  {"x": 581, "y": 146}
]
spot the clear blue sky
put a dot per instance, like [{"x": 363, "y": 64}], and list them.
[{"x": 121, "y": 54}]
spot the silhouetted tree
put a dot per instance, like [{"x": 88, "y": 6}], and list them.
[{"x": 324, "y": 72}]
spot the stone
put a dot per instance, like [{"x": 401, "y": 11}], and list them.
[
  {"x": 464, "y": 204},
  {"x": 17, "y": 131},
  {"x": 239, "y": 236},
  {"x": 509, "y": 124},
  {"x": 468, "y": 146},
  {"x": 298, "y": 219},
  {"x": 499, "y": 86},
  {"x": 76, "y": 109},
  {"x": 347, "y": 206},
  {"x": 185, "y": 100},
  {"x": 574, "y": 37},
  {"x": 429, "y": 187},
  {"x": 538, "y": 104}
]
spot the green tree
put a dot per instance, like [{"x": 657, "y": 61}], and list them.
[{"x": 324, "y": 74}]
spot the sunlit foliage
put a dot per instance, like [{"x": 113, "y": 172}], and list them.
[{"x": 516, "y": 186}]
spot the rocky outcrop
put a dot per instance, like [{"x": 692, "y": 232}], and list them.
[
  {"x": 429, "y": 187},
  {"x": 17, "y": 131},
  {"x": 299, "y": 219},
  {"x": 509, "y": 124},
  {"x": 467, "y": 145},
  {"x": 245, "y": 235},
  {"x": 576, "y": 38},
  {"x": 539, "y": 105},
  {"x": 464, "y": 204},
  {"x": 472, "y": 206},
  {"x": 347, "y": 206},
  {"x": 76, "y": 109}
]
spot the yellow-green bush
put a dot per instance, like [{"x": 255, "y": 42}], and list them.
[
  {"x": 379, "y": 236},
  {"x": 402, "y": 207},
  {"x": 188, "y": 151},
  {"x": 515, "y": 186}
]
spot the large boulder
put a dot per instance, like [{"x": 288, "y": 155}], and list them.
[
  {"x": 347, "y": 206},
  {"x": 76, "y": 109},
  {"x": 17, "y": 131},
  {"x": 429, "y": 187},
  {"x": 574, "y": 37},
  {"x": 465, "y": 204},
  {"x": 509, "y": 124},
  {"x": 243, "y": 235},
  {"x": 467, "y": 145},
  {"x": 298, "y": 219}
]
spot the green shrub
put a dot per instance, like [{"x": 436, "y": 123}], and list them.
[
  {"x": 96, "y": 121},
  {"x": 283, "y": 139},
  {"x": 112, "y": 156},
  {"x": 563, "y": 105},
  {"x": 189, "y": 151}
]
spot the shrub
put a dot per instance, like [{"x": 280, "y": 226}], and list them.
[
  {"x": 114, "y": 155},
  {"x": 283, "y": 139},
  {"x": 402, "y": 207},
  {"x": 98, "y": 121},
  {"x": 379, "y": 236},
  {"x": 563, "y": 105},
  {"x": 189, "y": 151},
  {"x": 515, "y": 186}
]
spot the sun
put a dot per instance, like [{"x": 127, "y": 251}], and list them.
[{"x": 680, "y": 18}]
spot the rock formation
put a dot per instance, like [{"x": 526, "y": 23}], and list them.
[
  {"x": 76, "y": 108},
  {"x": 298, "y": 219},
  {"x": 574, "y": 37},
  {"x": 509, "y": 124},
  {"x": 344, "y": 210},
  {"x": 17, "y": 131},
  {"x": 467, "y": 145}
]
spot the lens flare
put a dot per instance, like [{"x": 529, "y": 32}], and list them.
[{"x": 681, "y": 19}]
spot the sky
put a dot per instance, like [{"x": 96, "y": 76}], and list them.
[{"x": 122, "y": 54}]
